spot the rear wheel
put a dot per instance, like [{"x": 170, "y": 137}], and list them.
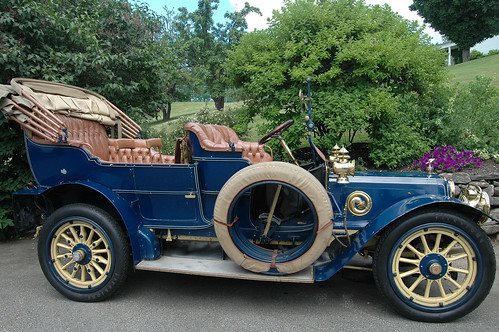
[
  {"x": 434, "y": 267},
  {"x": 83, "y": 252}
]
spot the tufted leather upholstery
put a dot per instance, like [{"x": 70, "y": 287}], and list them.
[
  {"x": 89, "y": 134},
  {"x": 222, "y": 138},
  {"x": 139, "y": 151},
  {"x": 93, "y": 137}
]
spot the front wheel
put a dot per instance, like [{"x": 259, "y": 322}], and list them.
[
  {"x": 435, "y": 266},
  {"x": 83, "y": 252}
]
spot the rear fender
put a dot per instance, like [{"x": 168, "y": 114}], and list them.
[
  {"x": 388, "y": 216},
  {"x": 144, "y": 243}
]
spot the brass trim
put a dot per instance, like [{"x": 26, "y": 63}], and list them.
[{"x": 359, "y": 203}]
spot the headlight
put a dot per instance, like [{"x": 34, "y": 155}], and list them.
[
  {"x": 475, "y": 197},
  {"x": 451, "y": 188}
]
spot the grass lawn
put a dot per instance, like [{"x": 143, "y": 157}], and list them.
[{"x": 466, "y": 72}]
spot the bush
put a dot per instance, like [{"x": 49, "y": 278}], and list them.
[
  {"x": 14, "y": 171},
  {"x": 448, "y": 158},
  {"x": 470, "y": 120},
  {"x": 475, "y": 54},
  {"x": 363, "y": 61}
]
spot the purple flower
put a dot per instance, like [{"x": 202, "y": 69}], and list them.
[{"x": 448, "y": 157}]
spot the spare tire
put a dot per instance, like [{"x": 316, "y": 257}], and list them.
[{"x": 291, "y": 243}]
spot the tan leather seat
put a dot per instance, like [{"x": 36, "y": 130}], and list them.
[
  {"x": 92, "y": 136},
  {"x": 222, "y": 138}
]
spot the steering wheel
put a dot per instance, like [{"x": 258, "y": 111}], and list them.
[{"x": 277, "y": 130}]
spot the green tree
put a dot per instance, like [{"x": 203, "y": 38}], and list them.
[
  {"x": 364, "y": 63},
  {"x": 205, "y": 44},
  {"x": 465, "y": 22},
  {"x": 108, "y": 46}
]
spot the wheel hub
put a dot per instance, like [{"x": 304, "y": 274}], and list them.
[
  {"x": 82, "y": 254},
  {"x": 433, "y": 266},
  {"x": 78, "y": 256}
]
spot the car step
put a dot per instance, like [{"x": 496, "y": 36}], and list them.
[{"x": 219, "y": 268}]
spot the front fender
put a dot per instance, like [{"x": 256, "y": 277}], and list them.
[
  {"x": 388, "y": 216},
  {"x": 144, "y": 243}
]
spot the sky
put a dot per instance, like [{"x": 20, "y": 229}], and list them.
[{"x": 266, "y": 6}]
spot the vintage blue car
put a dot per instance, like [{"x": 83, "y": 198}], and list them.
[{"x": 109, "y": 201}]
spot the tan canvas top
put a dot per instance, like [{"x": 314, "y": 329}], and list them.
[{"x": 58, "y": 98}]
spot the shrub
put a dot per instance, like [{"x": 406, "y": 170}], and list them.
[
  {"x": 448, "y": 158},
  {"x": 475, "y": 54},
  {"x": 470, "y": 120}
]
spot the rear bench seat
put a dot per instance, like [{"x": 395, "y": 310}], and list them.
[{"x": 92, "y": 136}]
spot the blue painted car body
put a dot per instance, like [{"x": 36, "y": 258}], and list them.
[{"x": 180, "y": 198}]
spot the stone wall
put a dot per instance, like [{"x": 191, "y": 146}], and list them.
[{"x": 489, "y": 184}]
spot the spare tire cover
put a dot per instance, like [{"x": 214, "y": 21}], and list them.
[{"x": 285, "y": 173}]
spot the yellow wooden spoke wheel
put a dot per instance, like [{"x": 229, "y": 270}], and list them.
[
  {"x": 435, "y": 266},
  {"x": 83, "y": 252}
]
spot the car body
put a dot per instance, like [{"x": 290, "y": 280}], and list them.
[{"x": 222, "y": 207}]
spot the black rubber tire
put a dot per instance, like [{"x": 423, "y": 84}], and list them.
[
  {"x": 477, "y": 253},
  {"x": 106, "y": 258}
]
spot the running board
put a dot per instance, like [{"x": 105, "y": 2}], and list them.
[{"x": 219, "y": 268}]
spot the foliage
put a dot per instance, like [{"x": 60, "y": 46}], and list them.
[
  {"x": 362, "y": 60},
  {"x": 464, "y": 22},
  {"x": 475, "y": 54},
  {"x": 205, "y": 44},
  {"x": 448, "y": 158},
  {"x": 471, "y": 120},
  {"x": 108, "y": 46},
  {"x": 14, "y": 170}
]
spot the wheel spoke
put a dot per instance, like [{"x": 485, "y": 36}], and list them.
[
  {"x": 458, "y": 270},
  {"x": 438, "y": 238},
  {"x": 408, "y": 273},
  {"x": 416, "y": 283},
  {"x": 449, "y": 247},
  {"x": 441, "y": 287},
  {"x": 75, "y": 270},
  {"x": 455, "y": 258},
  {"x": 100, "y": 251},
  {"x": 100, "y": 259},
  {"x": 410, "y": 261},
  {"x": 96, "y": 243},
  {"x": 83, "y": 275},
  {"x": 452, "y": 281},
  {"x": 97, "y": 267},
  {"x": 83, "y": 234},
  {"x": 90, "y": 237},
  {"x": 425, "y": 244},
  {"x": 428, "y": 288},
  {"x": 65, "y": 246},
  {"x": 415, "y": 251},
  {"x": 75, "y": 236},
  {"x": 91, "y": 272},
  {"x": 67, "y": 264},
  {"x": 68, "y": 239}
]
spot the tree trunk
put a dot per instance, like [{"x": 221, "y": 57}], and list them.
[
  {"x": 466, "y": 55},
  {"x": 219, "y": 102},
  {"x": 167, "y": 112}
]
